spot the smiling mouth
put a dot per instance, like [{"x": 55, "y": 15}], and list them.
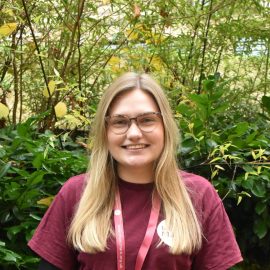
[{"x": 135, "y": 146}]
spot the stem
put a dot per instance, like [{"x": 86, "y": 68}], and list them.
[
  {"x": 20, "y": 80},
  {"x": 204, "y": 47},
  {"x": 80, "y": 10},
  {"x": 40, "y": 61},
  {"x": 266, "y": 67},
  {"x": 110, "y": 56},
  {"x": 16, "y": 90},
  {"x": 73, "y": 34}
]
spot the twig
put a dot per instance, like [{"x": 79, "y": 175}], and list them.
[
  {"x": 252, "y": 163},
  {"x": 40, "y": 61},
  {"x": 230, "y": 189}
]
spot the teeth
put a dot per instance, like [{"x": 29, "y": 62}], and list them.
[{"x": 136, "y": 146}]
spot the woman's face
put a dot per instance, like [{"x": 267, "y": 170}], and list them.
[{"x": 135, "y": 148}]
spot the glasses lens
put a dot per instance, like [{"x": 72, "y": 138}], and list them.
[
  {"x": 119, "y": 124},
  {"x": 147, "y": 122}
]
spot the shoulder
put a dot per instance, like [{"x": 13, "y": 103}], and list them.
[
  {"x": 197, "y": 184},
  {"x": 216, "y": 226},
  {"x": 53, "y": 228},
  {"x": 202, "y": 193},
  {"x": 74, "y": 186}
]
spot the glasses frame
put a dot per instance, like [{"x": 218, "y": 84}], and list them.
[{"x": 107, "y": 120}]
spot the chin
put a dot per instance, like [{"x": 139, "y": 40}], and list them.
[{"x": 138, "y": 165}]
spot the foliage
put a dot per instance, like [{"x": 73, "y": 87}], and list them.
[
  {"x": 55, "y": 52},
  {"x": 33, "y": 168},
  {"x": 211, "y": 57},
  {"x": 235, "y": 154}
]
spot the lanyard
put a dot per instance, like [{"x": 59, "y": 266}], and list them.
[{"x": 120, "y": 237}]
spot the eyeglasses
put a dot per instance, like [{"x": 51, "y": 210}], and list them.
[{"x": 119, "y": 124}]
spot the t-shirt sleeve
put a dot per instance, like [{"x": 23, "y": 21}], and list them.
[
  {"x": 49, "y": 240},
  {"x": 220, "y": 250}
]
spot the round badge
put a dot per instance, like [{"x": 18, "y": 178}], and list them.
[
  {"x": 164, "y": 234},
  {"x": 117, "y": 212}
]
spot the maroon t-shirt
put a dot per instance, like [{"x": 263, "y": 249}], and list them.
[{"x": 219, "y": 251}]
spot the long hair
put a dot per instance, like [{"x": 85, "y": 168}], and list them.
[{"x": 91, "y": 224}]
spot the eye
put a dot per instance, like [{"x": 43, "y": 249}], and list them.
[
  {"x": 147, "y": 120},
  {"x": 119, "y": 121}
]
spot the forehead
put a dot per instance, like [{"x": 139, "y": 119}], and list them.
[{"x": 133, "y": 102}]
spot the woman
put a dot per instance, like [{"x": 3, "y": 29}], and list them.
[{"x": 135, "y": 209}]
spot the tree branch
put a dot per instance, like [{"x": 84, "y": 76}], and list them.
[{"x": 40, "y": 61}]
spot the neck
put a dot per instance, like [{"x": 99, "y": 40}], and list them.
[{"x": 136, "y": 175}]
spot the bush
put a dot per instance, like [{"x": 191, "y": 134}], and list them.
[
  {"x": 33, "y": 168},
  {"x": 232, "y": 150}
]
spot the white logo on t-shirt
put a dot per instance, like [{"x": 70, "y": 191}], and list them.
[{"x": 164, "y": 234}]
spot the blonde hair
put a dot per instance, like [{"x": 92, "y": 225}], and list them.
[{"x": 91, "y": 224}]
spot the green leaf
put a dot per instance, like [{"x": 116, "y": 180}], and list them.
[
  {"x": 266, "y": 103},
  {"x": 258, "y": 190},
  {"x": 35, "y": 217},
  {"x": 241, "y": 128},
  {"x": 23, "y": 130},
  {"x": 208, "y": 85},
  {"x": 36, "y": 177},
  {"x": 201, "y": 99},
  {"x": 251, "y": 137},
  {"x": 184, "y": 109},
  {"x": 2, "y": 152},
  {"x": 37, "y": 162},
  {"x": 221, "y": 108},
  {"x": 248, "y": 184},
  {"x": 211, "y": 143},
  {"x": 13, "y": 231},
  {"x": 6, "y": 217},
  {"x": 4, "y": 169},
  {"x": 12, "y": 257},
  {"x": 2, "y": 243},
  {"x": 260, "y": 207},
  {"x": 260, "y": 228},
  {"x": 13, "y": 191},
  {"x": 217, "y": 95},
  {"x": 248, "y": 168}
]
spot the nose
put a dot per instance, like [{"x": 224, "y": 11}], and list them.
[{"x": 134, "y": 131}]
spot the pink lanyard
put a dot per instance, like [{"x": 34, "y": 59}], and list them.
[{"x": 120, "y": 237}]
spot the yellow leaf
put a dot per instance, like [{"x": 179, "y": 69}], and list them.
[
  {"x": 60, "y": 109},
  {"x": 190, "y": 126},
  {"x": 239, "y": 199},
  {"x": 106, "y": 2},
  {"x": 132, "y": 35},
  {"x": 115, "y": 64},
  {"x": 214, "y": 173},
  {"x": 51, "y": 86},
  {"x": 8, "y": 11},
  {"x": 46, "y": 201},
  {"x": 219, "y": 167},
  {"x": 215, "y": 159},
  {"x": 253, "y": 155},
  {"x": 114, "y": 60},
  {"x": 4, "y": 111},
  {"x": 157, "y": 63},
  {"x": 7, "y": 29}
]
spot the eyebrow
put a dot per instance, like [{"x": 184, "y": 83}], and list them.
[{"x": 134, "y": 116}]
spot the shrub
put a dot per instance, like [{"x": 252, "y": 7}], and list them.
[{"x": 33, "y": 168}]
